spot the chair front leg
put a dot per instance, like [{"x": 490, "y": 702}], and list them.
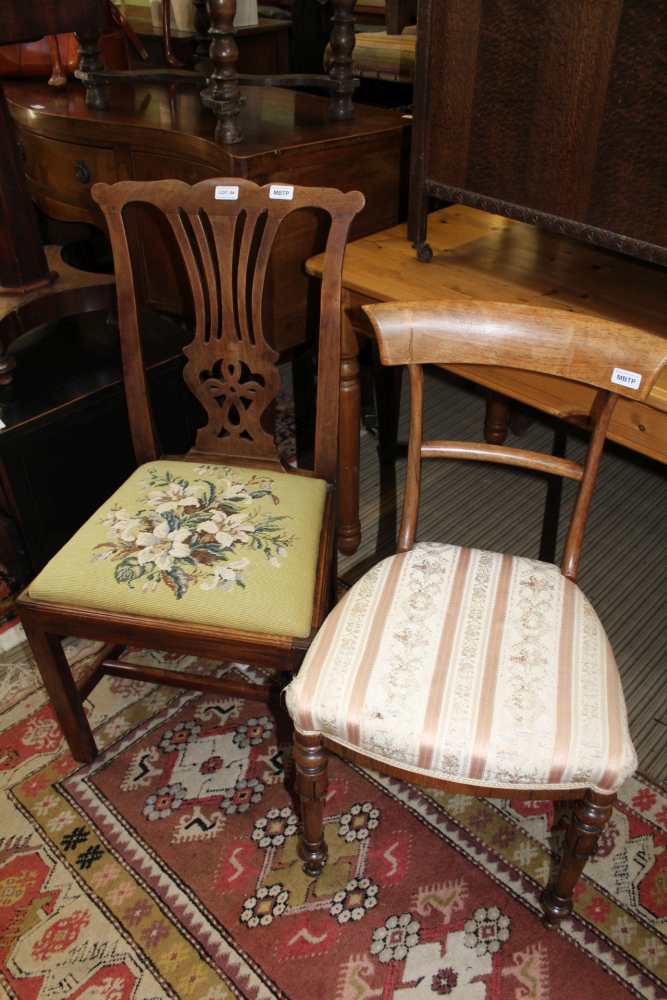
[
  {"x": 589, "y": 818},
  {"x": 311, "y": 762},
  {"x": 66, "y": 701}
]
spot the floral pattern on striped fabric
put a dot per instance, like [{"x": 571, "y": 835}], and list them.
[{"x": 469, "y": 666}]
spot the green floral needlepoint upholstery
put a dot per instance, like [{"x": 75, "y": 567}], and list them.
[{"x": 207, "y": 544}]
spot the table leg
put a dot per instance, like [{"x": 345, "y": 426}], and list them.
[
  {"x": 222, "y": 95},
  {"x": 349, "y": 527},
  {"x": 497, "y": 418},
  {"x": 342, "y": 46}
]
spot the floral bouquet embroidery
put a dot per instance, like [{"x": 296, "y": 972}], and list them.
[{"x": 189, "y": 533}]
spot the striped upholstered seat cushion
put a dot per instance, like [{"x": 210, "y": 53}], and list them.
[{"x": 469, "y": 666}]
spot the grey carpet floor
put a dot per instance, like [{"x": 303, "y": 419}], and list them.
[{"x": 624, "y": 564}]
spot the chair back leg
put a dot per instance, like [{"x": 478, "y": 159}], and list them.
[
  {"x": 311, "y": 763},
  {"x": 589, "y": 818}
]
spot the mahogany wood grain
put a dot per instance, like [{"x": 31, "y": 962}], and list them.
[
  {"x": 589, "y": 818},
  {"x": 496, "y": 418},
  {"x": 263, "y": 47},
  {"x": 189, "y": 681},
  {"x": 399, "y": 14},
  {"x": 26, "y": 276},
  {"x": 311, "y": 765},
  {"x": 349, "y": 525},
  {"x": 27, "y": 22},
  {"x": 22, "y": 261},
  {"x": 591, "y": 813},
  {"x": 220, "y": 74},
  {"x": 226, "y": 247}
]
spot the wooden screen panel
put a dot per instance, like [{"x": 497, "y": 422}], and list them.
[{"x": 551, "y": 107}]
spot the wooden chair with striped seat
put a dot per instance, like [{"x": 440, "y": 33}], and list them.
[{"x": 480, "y": 672}]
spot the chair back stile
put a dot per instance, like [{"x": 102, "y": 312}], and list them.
[
  {"x": 553, "y": 342},
  {"x": 231, "y": 366}
]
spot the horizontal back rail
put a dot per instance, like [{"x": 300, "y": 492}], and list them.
[{"x": 473, "y": 451}]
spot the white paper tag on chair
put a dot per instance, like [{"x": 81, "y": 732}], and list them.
[
  {"x": 226, "y": 192},
  {"x": 281, "y": 192},
  {"x": 629, "y": 380}
]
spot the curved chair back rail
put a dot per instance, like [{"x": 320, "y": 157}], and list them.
[{"x": 549, "y": 341}]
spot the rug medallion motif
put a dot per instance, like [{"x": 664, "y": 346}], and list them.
[{"x": 168, "y": 868}]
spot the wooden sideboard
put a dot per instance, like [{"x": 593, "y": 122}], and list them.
[{"x": 156, "y": 131}]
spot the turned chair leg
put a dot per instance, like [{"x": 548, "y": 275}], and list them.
[
  {"x": 62, "y": 690},
  {"x": 311, "y": 763},
  {"x": 589, "y": 818}
]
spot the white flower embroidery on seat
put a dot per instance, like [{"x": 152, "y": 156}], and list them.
[{"x": 191, "y": 532}]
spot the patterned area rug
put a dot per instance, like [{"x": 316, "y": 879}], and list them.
[{"x": 168, "y": 869}]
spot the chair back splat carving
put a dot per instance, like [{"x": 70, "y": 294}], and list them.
[
  {"x": 231, "y": 366},
  {"x": 550, "y": 341}
]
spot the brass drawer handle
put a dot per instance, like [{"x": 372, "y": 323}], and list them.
[{"x": 82, "y": 172}]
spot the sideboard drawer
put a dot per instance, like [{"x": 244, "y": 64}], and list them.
[{"x": 65, "y": 171}]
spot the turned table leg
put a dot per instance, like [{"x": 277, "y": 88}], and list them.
[
  {"x": 97, "y": 94},
  {"x": 202, "y": 41},
  {"x": 497, "y": 418},
  {"x": 222, "y": 95},
  {"x": 349, "y": 527},
  {"x": 342, "y": 47}
]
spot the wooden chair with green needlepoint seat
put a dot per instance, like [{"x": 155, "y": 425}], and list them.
[{"x": 222, "y": 553}]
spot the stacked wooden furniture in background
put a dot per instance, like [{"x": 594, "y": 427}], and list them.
[
  {"x": 220, "y": 79},
  {"x": 552, "y": 113},
  {"x": 151, "y": 132},
  {"x": 263, "y": 47}
]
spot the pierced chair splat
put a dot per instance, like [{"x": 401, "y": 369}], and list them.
[
  {"x": 479, "y": 672},
  {"x": 224, "y": 552}
]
